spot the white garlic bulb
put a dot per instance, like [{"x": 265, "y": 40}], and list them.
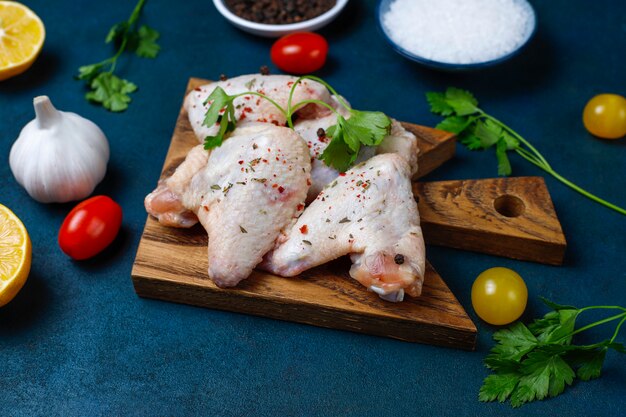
[{"x": 59, "y": 156}]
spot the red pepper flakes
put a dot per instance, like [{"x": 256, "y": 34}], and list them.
[
  {"x": 300, "y": 207},
  {"x": 342, "y": 174},
  {"x": 308, "y": 182},
  {"x": 281, "y": 189},
  {"x": 275, "y": 123},
  {"x": 197, "y": 89},
  {"x": 247, "y": 109},
  {"x": 304, "y": 229},
  {"x": 274, "y": 185},
  {"x": 240, "y": 162}
]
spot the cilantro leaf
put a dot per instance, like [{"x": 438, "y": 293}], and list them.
[
  {"x": 348, "y": 135},
  {"x": 498, "y": 387},
  {"x": 107, "y": 89},
  {"x": 111, "y": 91},
  {"x": 366, "y": 127},
  {"x": 146, "y": 42},
  {"x": 218, "y": 102},
  {"x": 455, "y": 124},
  {"x": 504, "y": 165},
  {"x": 462, "y": 101},
  {"x": 338, "y": 153},
  {"x": 555, "y": 306},
  {"x": 438, "y": 104},
  {"x": 514, "y": 343},
  {"x": 488, "y": 132},
  {"x": 89, "y": 72},
  {"x": 117, "y": 32},
  {"x": 591, "y": 362},
  {"x": 535, "y": 362},
  {"x": 471, "y": 141},
  {"x": 221, "y": 111},
  {"x": 544, "y": 374}
]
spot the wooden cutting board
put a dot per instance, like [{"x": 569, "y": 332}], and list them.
[{"x": 171, "y": 264}]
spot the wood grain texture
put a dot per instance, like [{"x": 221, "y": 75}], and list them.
[
  {"x": 512, "y": 217},
  {"x": 171, "y": 264}
]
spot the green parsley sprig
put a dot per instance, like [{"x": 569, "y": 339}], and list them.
[
  {"x": 107, "y": 89},
  {"x": 478, "y": 130},
  {"x": 539, "y": 361},
  {"x": 362, "y": 128}
]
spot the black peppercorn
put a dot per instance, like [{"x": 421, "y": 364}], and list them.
[
  {"x": 399, "y": 259},
  {"x": 279, "y": 12}
]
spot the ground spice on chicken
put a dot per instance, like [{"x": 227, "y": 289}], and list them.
[{"x": 279, "y": 12}]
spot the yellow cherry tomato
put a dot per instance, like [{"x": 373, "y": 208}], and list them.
[
  {"x": 605, "y": 116},
  {"x": 499, "y": 296}
]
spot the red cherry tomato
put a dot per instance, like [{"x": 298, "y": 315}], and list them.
[
  {"x": 90, "y": 227},
  {"x": 300, "y": 53}
]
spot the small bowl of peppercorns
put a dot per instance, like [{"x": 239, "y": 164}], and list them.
[{"x": 274, "y": 18}]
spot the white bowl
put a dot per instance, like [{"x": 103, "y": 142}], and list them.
[{"x": 274, "y": 31}]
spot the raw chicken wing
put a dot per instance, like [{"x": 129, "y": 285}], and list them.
[
  {"x": 251, "y": 108},
  {"x": 251, "y": 188},
  {"x": 368, "y": 212}
]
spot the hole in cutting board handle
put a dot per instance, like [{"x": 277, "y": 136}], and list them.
[{"x": 509, "y": 205}]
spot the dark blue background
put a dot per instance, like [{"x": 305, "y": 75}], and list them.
[{"x": 78, "y": 341}]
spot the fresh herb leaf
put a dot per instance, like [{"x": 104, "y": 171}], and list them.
[
  {"x": 221, "y": 111},
  {"x": 117, "y": 32},
  {"x": 498, "y": 387},
  {"x": 535, "y": 362},
  {"x": 146, "y": 42},
  {"x": 338, "y": 154},
  {"x": 438, "y": 104},
  {"x": 89, "y": 72},
  {"x": 250, "y": 84},
  {"x": 488, "y": 132},
  {"x": 367, "y": 127},
  {"x": 478, "y": 130},
  {"x": 504, "y": 166},
  {"x": 462, "y": 102},
  {"x": 111, "y": 92},
  {"x": 455, "y": 124},
  {"x": 348, "y": 135},
  {"x": 590, "y": 361},
  {"x": 107, "y": 89}
]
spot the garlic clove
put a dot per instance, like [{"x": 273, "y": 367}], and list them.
[{"x": 59, "y": 156}]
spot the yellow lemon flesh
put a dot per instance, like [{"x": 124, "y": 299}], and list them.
[
  {"x": 21, "y": 38},
  {"x": 15, "y": 255}
]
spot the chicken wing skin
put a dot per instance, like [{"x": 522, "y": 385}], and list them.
[
  {"x": 251, "y": 108},
  {"x": 164, "y": 203},
  {"x": 251, "y": 188},
  {"x": 368, "y": 212}
]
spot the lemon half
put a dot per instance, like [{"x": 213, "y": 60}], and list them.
[
  {"x": 15, "y": 255},
  {"x": 21, "y": 38}
]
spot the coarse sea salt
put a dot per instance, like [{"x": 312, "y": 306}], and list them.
[{"x": 459, "y": 31}]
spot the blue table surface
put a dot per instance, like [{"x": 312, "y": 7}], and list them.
[{"x": 78, "y": 341}]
